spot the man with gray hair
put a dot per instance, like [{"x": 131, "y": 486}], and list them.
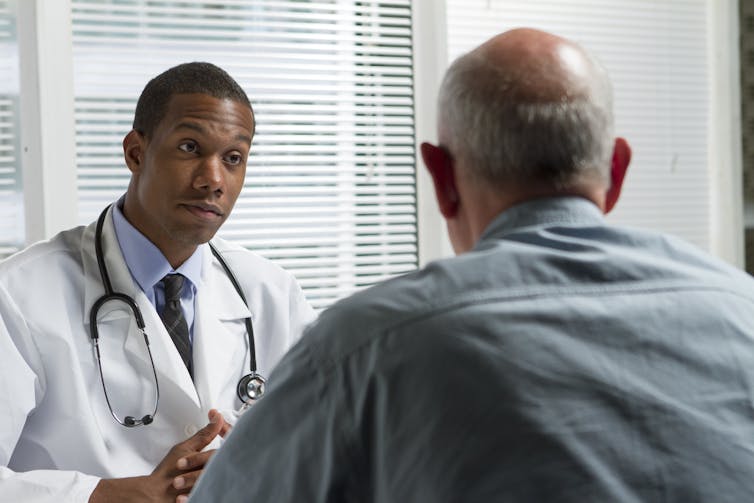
[{"x": 556, "y": 358}]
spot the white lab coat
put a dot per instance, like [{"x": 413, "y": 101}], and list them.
[{"x": 55, "y": 425}]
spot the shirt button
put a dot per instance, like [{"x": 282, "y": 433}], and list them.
[{"x": 190, "y": 430}]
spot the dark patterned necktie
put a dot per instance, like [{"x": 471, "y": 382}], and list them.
[{"x": 174, "y": 320}]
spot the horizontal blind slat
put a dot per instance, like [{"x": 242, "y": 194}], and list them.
[
  {"x": 12, "y": 231},
  {"x": 330, "y": 186}
]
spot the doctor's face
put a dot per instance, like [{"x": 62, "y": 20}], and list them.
[{"x": 186, "y": 177}]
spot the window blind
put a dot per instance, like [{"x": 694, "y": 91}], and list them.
[
  {"x": 11, "y": 197},
  {"x": 330, "y": 190},
  {"x": 656, "y": 54}
]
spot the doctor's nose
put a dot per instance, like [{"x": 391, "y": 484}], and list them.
[{"x": 210, "y": 175}]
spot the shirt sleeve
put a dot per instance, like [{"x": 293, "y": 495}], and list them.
[
  {"x": 287, "y": 447},
  {"x": 21, "y": 383}
]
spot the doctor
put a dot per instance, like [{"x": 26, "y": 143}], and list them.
[{"x": 127, "y": 421}]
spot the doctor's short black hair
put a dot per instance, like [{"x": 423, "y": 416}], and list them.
[{"x": 187, "y": 78}]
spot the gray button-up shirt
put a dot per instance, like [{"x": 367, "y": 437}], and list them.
[{"x": 561, "y": 360}]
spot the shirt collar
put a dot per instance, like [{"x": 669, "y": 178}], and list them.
[
  {"x": 561, "y": 210},
  {"x": 145, "y": 261}
]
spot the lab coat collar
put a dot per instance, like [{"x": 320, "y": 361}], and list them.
[
  {"x": 219, "y": 322},
  {"x": 227, "y": 305}
]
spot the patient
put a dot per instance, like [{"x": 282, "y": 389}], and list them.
[{"x": 556, "y": 358}]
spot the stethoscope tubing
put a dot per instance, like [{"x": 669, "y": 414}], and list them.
[
  {"x": 247, "y": 320},
  {"x": 250, "y": 386}
]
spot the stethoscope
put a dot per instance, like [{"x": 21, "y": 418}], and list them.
[{"x": 250, "y": 387}]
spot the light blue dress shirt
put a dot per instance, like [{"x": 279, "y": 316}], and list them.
[{"x": 148, "y": 266}]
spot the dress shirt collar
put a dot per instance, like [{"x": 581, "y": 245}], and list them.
[
  {"x": 146, "y": 262},
  {"x": 563, "y": 210}
]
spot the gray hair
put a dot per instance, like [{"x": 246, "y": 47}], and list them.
[{"x": 506, "y": 137}]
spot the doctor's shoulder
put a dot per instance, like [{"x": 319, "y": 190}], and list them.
[
  {"x": 61, "y": 253},
  {"x": 252, "y": 268},
  {"x": 265, "y": 283}
]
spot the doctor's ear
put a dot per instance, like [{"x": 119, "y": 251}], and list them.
[{"x": 133, "y": 150}]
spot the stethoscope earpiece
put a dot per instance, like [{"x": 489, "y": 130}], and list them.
[{"x": 130, "y": 421}]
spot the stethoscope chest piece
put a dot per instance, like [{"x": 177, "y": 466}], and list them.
[{"x": 250, "y": 388}]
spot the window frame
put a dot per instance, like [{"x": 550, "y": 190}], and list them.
[{"x": 48, "y": 146}]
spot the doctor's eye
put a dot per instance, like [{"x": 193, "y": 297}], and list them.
[
  {"x": 189, "y": 147},
  {"x": 233, "y": 159}
]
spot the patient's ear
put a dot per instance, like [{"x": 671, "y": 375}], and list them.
[
  {"x": 439, "y": 163},
  {"x": 618, "y": 168}
]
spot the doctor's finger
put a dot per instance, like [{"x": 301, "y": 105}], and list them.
[
  {"x": 195, "y": 460},
  {"x": 203, "y": 437},
  {"x": 225, "y": 430},
  {"x": 186, "y": 481},
  {"x": 226, "y": 426}
]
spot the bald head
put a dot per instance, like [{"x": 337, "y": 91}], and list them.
[
  {"x": 539, "y": 66},
  {"x": 528, "y": 108}
]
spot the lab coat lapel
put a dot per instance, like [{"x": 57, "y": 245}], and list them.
[
  {"x": 171, "y": 372},
  {"x": 219, "y": 334},
  {"x": 170, "y": 366}
]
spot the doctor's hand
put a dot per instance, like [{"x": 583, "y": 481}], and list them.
[
  {"x": 173, "y": 478},
  {"x": 226, "y": 425},
  {"x": 191, "y": 460}
]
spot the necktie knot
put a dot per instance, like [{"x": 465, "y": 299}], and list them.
[{"x": 173, "y": 284}]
